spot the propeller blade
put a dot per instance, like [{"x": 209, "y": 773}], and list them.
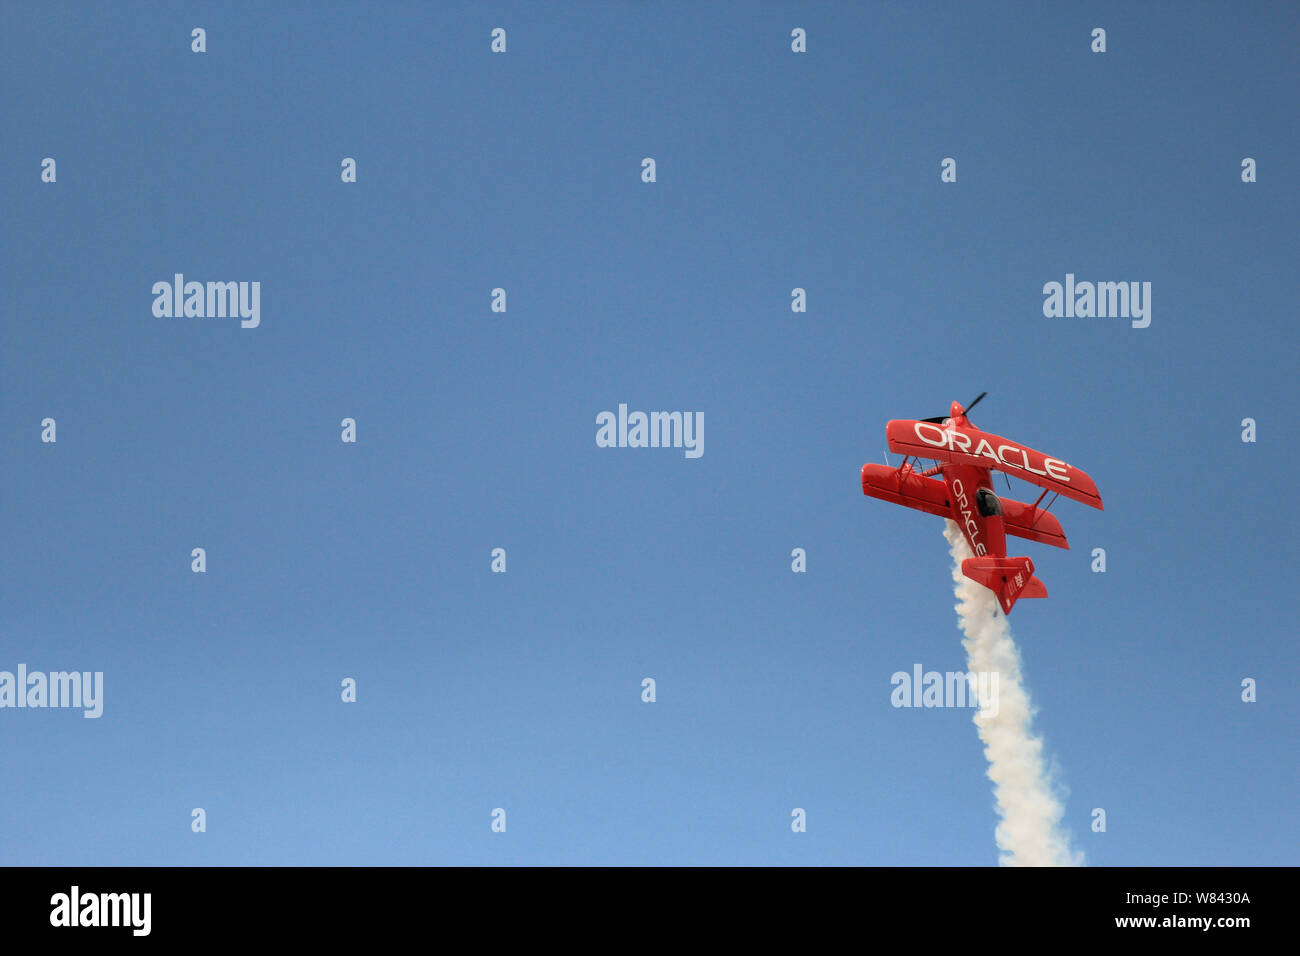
[{"x": 940, "y": 419}]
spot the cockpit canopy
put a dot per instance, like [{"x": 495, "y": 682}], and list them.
[{"x": 988, "y": 502}]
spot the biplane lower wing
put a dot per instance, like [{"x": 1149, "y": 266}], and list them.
[
  {"x": 969, "y": 446},
  {"x": 904, "y": 487},
  {"x": 1026, "y": 521}
]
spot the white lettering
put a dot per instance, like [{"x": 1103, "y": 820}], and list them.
[
  {"x": 1028, "y": 467},
  {"x": 1003, "y": 457},
  {"x": 1052, "y": 464},
  {"x": 985, "y": 449},
  {"x": 942, "y": 440}
]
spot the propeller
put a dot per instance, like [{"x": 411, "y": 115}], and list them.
[{"x": 940, "y": 419}]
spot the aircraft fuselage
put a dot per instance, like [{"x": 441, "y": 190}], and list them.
[{"x": 985, "y": 534}]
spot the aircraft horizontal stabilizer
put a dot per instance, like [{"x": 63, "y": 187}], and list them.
[{"x": 1009, "y": 578}]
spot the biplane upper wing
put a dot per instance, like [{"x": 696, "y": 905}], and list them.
[
  {"x": 904, "y": 487},
  {"x": 970, "y": 446}
]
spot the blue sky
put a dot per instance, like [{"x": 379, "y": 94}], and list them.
[{"x": 477, "y": 430}]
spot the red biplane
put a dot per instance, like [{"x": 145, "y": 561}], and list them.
[{"x": 959, "y": 486}]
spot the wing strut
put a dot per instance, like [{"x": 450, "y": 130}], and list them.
[{"x": 1034, "y": 507}]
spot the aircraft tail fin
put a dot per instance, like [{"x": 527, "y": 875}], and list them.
[{"x": 1009, "y": 578}]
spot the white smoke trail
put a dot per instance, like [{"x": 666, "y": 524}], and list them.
[{"x": 1029, "y": 832}]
